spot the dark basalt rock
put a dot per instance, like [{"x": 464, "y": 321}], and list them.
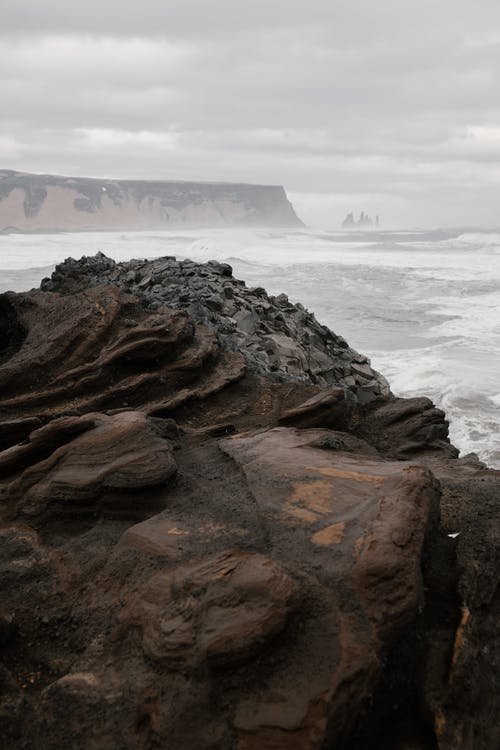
[
  {"x": 277, "y": 338},
  {"x": 210, "y": 537},
  {"x": 12, "y": 334},
  {"x": 406, "y": 427}
]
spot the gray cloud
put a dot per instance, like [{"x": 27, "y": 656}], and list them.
[{"x": 393, "y": 107}]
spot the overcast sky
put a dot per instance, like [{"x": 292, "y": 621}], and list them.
[{"x": 387, "y": 106}]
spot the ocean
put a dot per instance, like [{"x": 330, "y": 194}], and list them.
[{"x": 424, "y": 306}]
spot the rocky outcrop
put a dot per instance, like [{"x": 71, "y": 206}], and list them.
[
  {"x": 407, "y": 427},
  {"x": 204, "y": 547},
  {"x": 75, "y": 462},
  {"x": 276, "y": 337},
  {"x": 100, "y": 349},
  {"x": 31, "y": 202}
]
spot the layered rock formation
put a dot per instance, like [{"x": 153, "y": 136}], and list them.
[
  {"x": 202, "y": 546},
  {"x": 274, "y": 336},
  {"x": 31, "y": 202}
]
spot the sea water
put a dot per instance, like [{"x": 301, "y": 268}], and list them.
[{"x": 424, "y": 306}]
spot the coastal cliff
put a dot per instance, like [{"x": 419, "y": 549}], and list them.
[
  {"x": 221, "y": 530},
  {"x": 32, "y": 202}
]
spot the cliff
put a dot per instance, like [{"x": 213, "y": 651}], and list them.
[
  {"x": 31, "y": 202},
  {"x": 219, "y": 529}
]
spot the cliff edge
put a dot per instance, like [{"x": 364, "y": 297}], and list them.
[{"x": 32, "y": 202}]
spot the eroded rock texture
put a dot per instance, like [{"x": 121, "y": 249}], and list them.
[
  {"x": 74, "y": 461},
  {"x": 277, "y": 338},
  {"x": 196, "y": 555},
  {"x": 99, "y": 349}
]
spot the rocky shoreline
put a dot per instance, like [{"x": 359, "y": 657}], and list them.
[{"x": 219, "y": 529}]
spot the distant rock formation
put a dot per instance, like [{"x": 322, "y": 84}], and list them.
[
  {"x": 364, "y": 221},
  {"x": 31, "y": 202}
]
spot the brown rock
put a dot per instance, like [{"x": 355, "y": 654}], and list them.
[
  {"x": 77, "y": 353},
  {"x": 15, "y": 430},
  {"x": 277, "y": 600},
  {"x": 22, "y": 557},
  {"x": 404, "y": 427},
  {"x": 120, "y": 453},
  {"x": 373, "y": 513},
  {"x": 221, "y": 611},
  {"x": 341, "y": 577},
  {"x": 331, "y": 408},
  {"x": 42, "y": 442}
]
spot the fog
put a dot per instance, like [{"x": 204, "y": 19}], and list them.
[{"x": 389, "y": 107}]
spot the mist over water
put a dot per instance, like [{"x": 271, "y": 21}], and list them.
[{"x": 423, "y": 305}]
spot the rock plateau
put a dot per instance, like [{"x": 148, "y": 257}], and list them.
[{"x": 37, "y": 202}]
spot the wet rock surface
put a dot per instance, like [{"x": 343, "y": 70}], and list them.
[{"x": 200, "y": 551}]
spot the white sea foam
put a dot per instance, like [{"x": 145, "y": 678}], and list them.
[
  {"x": 480, "y": 239},
  {"x": 425, "y": 306}
]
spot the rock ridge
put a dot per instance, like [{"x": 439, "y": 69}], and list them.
[
  {"x": 276, "y": 337},
  {"x": 205, "y": 547}
]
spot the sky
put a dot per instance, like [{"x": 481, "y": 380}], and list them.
[{"x": 391, "y": 107}]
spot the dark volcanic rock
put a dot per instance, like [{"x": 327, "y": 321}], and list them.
[
  {"x": 327, "y": 577},
  {"x": 8, "y": 628},
  {"x": 276, "y": 338},
  {"x": 406, "y": 427},
  {"x": 16, "y": 430}
]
